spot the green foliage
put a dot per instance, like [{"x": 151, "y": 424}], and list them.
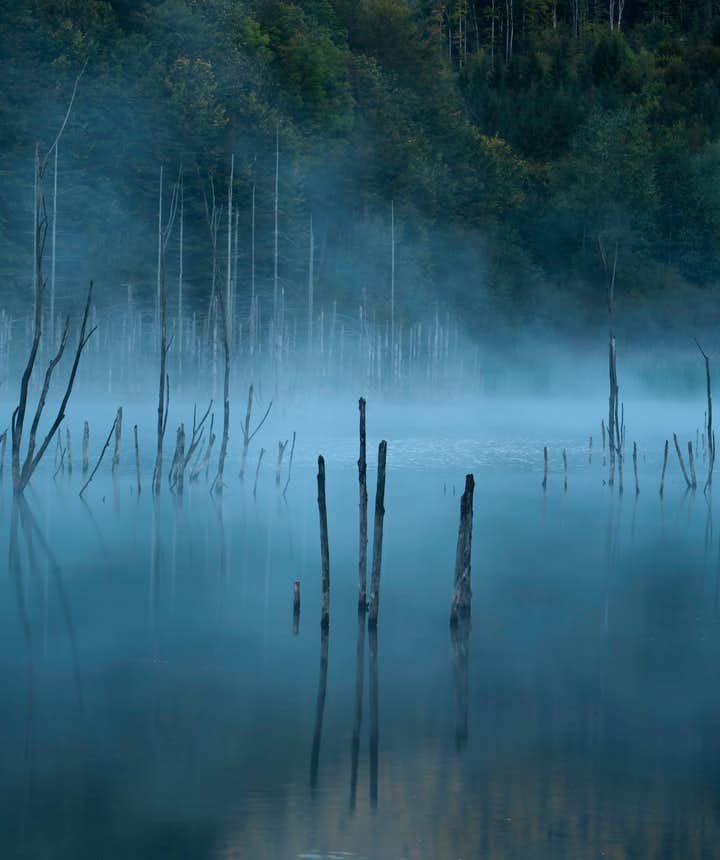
[{"x": 515, "y": 155}]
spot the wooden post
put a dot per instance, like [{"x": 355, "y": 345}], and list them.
[
  {"x": 462, "y": 593},
  {"x": 362, "y": 479},
  {"x": 85, "y": 448},
  {"x": 682, "y": 462},
  {"x": 68, "y": 449},
  {"x": 292, "y": 452},
  {"x": 296, "y": 607},
  {"x": 662, "y": 477},
  {"x": 324, "y": 546},
  {"x": 691, "y": 460},
  {"x": 378, "y": 536},
  {"x": 278, "y": 469},
  {"x": 257, "y": 470},
  {"x": 635, "y": 472},
  {"x": 118, "y": 439},
  {"x": 137, "y": 459}
]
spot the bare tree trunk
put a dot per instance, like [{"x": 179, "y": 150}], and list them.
[
  {"x": 708, "y": 415},
  {"x": 635, "y": 471},
  {"x": 118, "y": 439},
  {"x": 378, "y": 536},
  {"x": 682, "y": 462},
  {"x": 545, "y": 468},
  {"x": 100, "y": 458},
  {"x": 278, "y": 469},
  {"x": 324, "y": 546},
  {"x": 362, "y": 479},
  {"x": 691, "y": 460},
  {"x": 662, "y": 477},
  {"x": 85, "y": 448},
  {"x": 292, "y": 452},
  {"x": 462, "y": 593},
  {"x": 565, "y": 470},
  {"x": 137, "y": 459},
  {"x": 257, "y": 471}
]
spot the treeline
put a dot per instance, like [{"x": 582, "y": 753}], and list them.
[{"x": 515, "y": 139}]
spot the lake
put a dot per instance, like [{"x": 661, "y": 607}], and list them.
[{"x": 157, "y": 702}]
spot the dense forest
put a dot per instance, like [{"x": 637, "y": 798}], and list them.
[{"x": 516, "y": 142}]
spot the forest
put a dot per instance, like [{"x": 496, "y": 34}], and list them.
[{"x": 511, "y": 146}]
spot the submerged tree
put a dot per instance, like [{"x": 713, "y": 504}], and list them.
[{"x": 24, "y": 467}]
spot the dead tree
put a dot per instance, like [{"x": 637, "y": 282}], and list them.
[
  {"x": 257, "y": 471},
  {"x": 137, "y": 459},
  {"x": 247, "y": 435},
  {"x": 85, "y": 448},
  {"x": 68, "y": 448},
  {"x": 278, "y": 469},
  {"x": 614, "y": 428},
  {"x": 708, "y": 418},
  {"x": 296, "y": 607},
  {"x": 197, "y": 435},
  {"x": 545, "y": 468},
  {"x": 462, "y": 592},
  {"x": 662, "y": 477},
  {"x": 378, "y": 537},
  {"x": 635, "y": 471},
  {"x": 164, "y": 383},
  {"x": 681, "y": 461},
  {"x": 176, "y": 477},
  {"x": 565, "y": 470},
  {"x": 118, "y": 439},
  {"x": 691, "y": 461},
  {"x": 100, "y": 458},
  {"x": 362, "y": 479},
  {"x": 292, "y": 452},
  {"x": 324, "y": 546},
  {"x": 23, "y": 472}
]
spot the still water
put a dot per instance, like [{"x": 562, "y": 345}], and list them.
[{"x": 157, "y": 703}]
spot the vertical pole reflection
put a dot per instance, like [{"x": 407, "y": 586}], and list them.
[
  {"x": 357, "y": 718},
  {"x": 319, "y": 708},
  {"x": 459, "y": 637},
  {"x": 374, "y": 731}
]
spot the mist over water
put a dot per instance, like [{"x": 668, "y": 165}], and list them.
[{"x": 158, "y": 704}]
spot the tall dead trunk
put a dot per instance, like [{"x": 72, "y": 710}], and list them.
[
  {"x": 462, "y": 593},
  {"x": 362, "y": 479},
  {"x": 378, "y": 536}
]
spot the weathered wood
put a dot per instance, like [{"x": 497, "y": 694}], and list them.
[
  {"x": 635, "y": 471},
  {"x": 137, "y": 459},
  {"x": 100, "y": 458},
  {"x": 462, "y": 592},
  {"x": 292, "y": 452},
  {"x": 691, "y": 461},
  {"x": 118, "y": 439},
  {"x": 278, "y": 468},
  {"x": 664, "y": 468},
  {"x": 85, "y": 448},
  {"x": 362, "y": 480},
  {"x": 257, "y": 470},
  {"x": 324, "y": 545},
  {"x": 708, "y": 419},
  {"x": 296, "y": 607},
  {"x": 378, "y": 536},
  {"x": 681, "y": 461}
]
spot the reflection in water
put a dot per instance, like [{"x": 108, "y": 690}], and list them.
[
  {"x": 319, "y": 708},
  {"x": 357, "y": 713},
  {"x": 374, "y": 730},
  {"x": 459, "y": 635}
]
